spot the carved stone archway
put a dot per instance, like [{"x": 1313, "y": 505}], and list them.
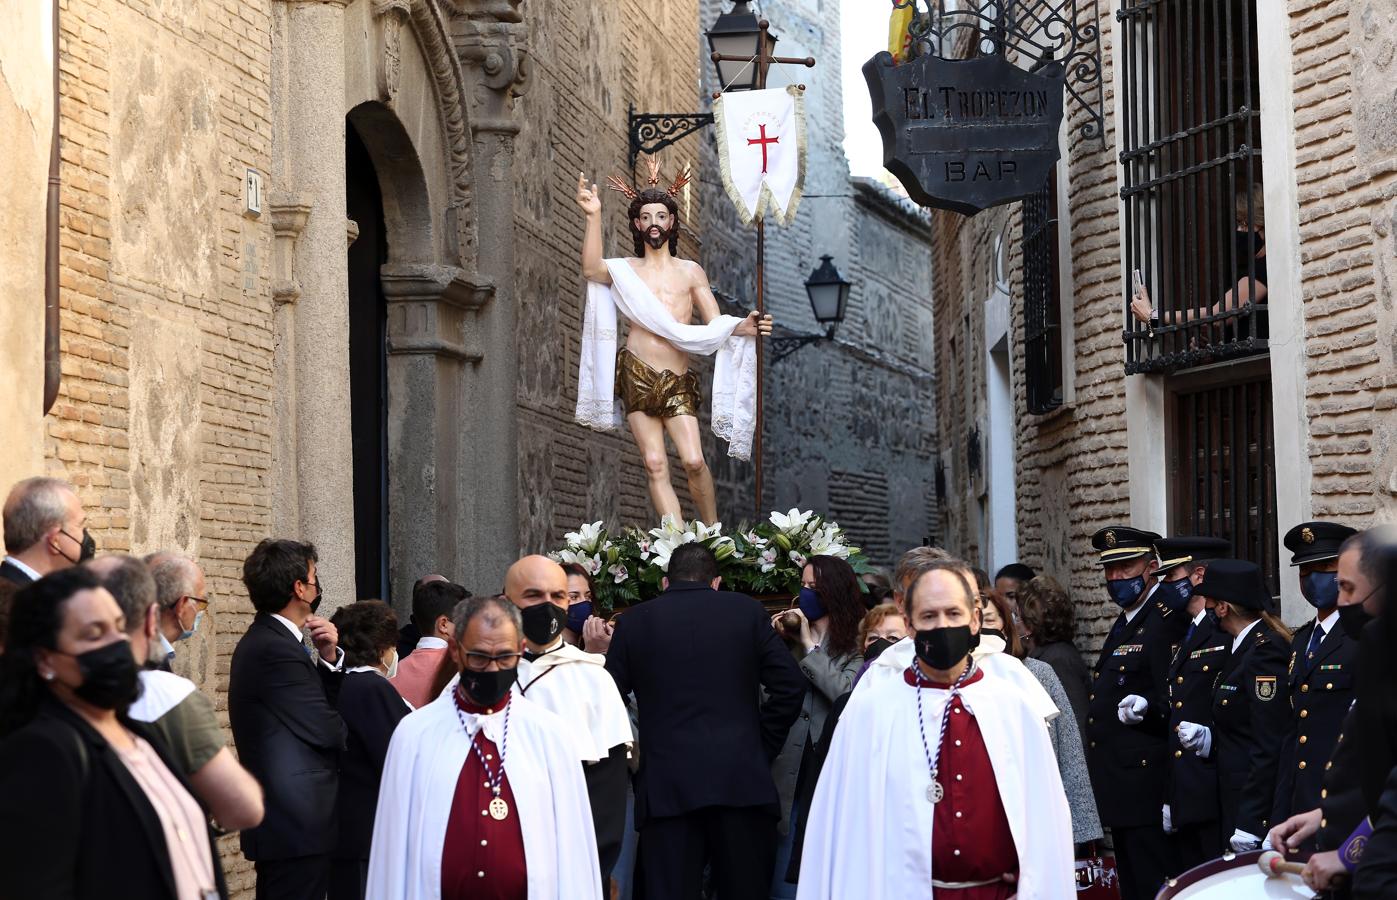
[{"x": 451, "y": 464}]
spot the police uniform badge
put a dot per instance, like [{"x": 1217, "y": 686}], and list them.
[
  {"x": 1265, "y": 687},
  {"x": 1307, "y": 535},
  {"x": 1109, "y": 539}
]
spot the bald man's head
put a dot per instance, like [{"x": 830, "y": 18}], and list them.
[{"x": 536, "y": 579}]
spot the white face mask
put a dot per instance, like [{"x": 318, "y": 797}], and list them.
[{"x": 393, "y": 666}]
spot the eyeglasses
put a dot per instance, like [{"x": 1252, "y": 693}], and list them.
[
  {"x": 479, "y": 662},
  {"x": 201, "y": 602}
]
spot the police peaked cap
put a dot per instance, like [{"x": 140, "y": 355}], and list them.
[
  {"x": 1311, "y": 542},
  {"x": 1118, "y": 543},
  {"x": 1178, "y": 551}
]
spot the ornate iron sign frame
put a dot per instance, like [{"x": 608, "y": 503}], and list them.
[{"x": 1030, "y": 33}]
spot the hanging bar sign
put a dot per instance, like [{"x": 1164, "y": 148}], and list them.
[{"x": 966, "y": 134}]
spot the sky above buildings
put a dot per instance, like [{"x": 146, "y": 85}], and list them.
[{"x": 864, "y": 31}]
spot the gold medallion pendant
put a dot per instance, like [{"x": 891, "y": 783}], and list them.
[{"x": 499, "y": 810}]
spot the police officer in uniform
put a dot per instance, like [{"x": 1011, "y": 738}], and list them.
[
  {"x": 1191, "y": 808},
  {"x": 1128, "y": 715},
  {"x": 1322, "y": 669},
  {"x": 1248, "y": 719}
]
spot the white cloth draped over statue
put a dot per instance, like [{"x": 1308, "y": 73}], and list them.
[
  {"x": 734, "y": 393},
  {"x": 424, "y": 762},
  {"x": 869, "y": 830}
]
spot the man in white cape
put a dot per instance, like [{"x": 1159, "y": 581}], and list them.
[
  {"x": 576, "y": 686},
  {"x": 482, "y": 794},
  {"x": 648, "y": 381},
  {"x": 942, "y": 782}
]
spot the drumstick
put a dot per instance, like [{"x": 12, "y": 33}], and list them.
[{"x": 1274, "y": 865}]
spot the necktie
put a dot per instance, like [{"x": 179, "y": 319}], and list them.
[
  {"x": 1188, "y": 635},
  {"x": 1119, "y": 626},
  {"x": 1316, "y": 636}
]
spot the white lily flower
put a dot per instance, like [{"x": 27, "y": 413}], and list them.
[
  {"x": 619, "y": 573},
  {"x": 798, "y": 558},
  {"x": 768, "y": 559},
  {"x": 792, "y": 522}
]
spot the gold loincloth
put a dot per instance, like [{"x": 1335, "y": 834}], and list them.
[{"x": 661, "y": 394}]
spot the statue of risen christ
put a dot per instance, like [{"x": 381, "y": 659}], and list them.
[{"x": 659, "y": 292}]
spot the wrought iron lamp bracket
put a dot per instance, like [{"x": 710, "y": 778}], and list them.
[
  {"x": 784, "y": 346},
  {"x": 1033, "y": 34},
  {"x": 652, "y": 132}
]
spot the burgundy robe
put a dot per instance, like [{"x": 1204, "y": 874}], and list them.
[
  {"x": 971, "y": 840},
  {"x": 482, "y": 859}
]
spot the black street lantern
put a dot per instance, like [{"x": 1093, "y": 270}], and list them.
[
  {"x": 736, "y": 41},
  {"x": 829, "y": 293}
]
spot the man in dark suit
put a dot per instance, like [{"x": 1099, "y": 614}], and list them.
[
  {"x": 45, "y": 530},
  {"x": 1323, "y": 669},
  {"x": 1191, "y": 810},
  {"x": 1128, "y": 714},
  {"x": 281, "y": 704},
  {"x": 704, "y": 791}
]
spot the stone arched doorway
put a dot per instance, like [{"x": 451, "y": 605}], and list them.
[{"x": 379, "y": 458}]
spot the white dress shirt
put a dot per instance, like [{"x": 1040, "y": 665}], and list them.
[
  {"x": 300, "y": 638},
  {"x": 23, "y": 568}
]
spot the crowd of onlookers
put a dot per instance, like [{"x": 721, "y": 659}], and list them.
[{"x": 113, "y": 766}]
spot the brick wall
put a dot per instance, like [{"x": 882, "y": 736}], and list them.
[
  {"x": 1346, "y": 176},
  {"x": 162, "y": 421}
]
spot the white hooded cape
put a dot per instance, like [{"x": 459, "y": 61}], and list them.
[
  {"x": 734, "y": 395},
  {"x": 869, "y": 831},
  {"x": 424, "y": 763},
  {"x": 577, "y": 687},
  {"x": 892, "y": 662}
]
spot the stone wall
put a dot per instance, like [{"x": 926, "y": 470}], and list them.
[
  {"x": 26, "y": 121},
  {"x": 849, "y": 424},
  {"x": 1074, "y": 467}
]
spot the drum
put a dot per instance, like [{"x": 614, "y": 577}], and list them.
[{"x": 1234, "y": 878}]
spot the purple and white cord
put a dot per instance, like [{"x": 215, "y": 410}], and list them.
[
  {"x": 493, "y": 780},
  {"x": 933, "y": 762}
]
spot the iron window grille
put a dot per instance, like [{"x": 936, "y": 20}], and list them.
[
  {"x": 1223, "y": 469},
  {"x": 1192, "y": 181},
  {"x": 1042, "y": 301}
]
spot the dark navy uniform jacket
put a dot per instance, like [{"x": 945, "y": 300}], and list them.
[
  {"x": 1192, "y": 792},
  {"x": 1321, "y": 691},
  {"x": 1127, "y": 762},
  {"x": 1248, "y": 725}
]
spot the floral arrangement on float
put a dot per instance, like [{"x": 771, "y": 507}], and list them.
[{"x": 627, "y": 565}]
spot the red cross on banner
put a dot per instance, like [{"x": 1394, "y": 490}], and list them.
[
  {"x": 763, "y": 141},
  {"x": 773, "y": 121}
]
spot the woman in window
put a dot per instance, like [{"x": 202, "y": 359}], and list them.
[{"x": 1247, "y": 263}]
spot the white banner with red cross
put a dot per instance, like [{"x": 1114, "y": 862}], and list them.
[{"x": 761, "y": 151}]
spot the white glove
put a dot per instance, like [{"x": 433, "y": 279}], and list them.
[
  {"x": 1241, "y": 841},
  {"x": 1198, "y": 738},
  {"x": 1168, "y": 821},
  {"x": 1131, "y": 709}
]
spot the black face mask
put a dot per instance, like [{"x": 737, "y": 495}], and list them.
[
  {"x": 108, "y": 676},
  {"x": 87, "y": 547},
  {"x": 1352, "y": 619},
  {"x": 942, "y": 648},
  {"x": 875, "y": 649},
  {"x": 543, "y": 622},
  {"x": 487, "y": 688}
]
